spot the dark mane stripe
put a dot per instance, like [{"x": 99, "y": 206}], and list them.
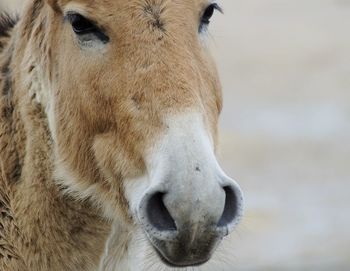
[{"x": 7, "y": 22}]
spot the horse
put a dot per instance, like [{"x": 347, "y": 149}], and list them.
[{"x": 108, "y": 136}]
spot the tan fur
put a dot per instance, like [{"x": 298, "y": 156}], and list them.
[{"x": 107, "y": 106}]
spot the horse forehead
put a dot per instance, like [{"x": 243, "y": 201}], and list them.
[
  {"x": 154, "y": 7},
  {"x": 132, "y": 2}
]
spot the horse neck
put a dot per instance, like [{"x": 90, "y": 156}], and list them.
[{"x": 53, "y": 230}]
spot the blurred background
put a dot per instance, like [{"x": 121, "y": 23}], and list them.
[
  {"x": 285, "y": 130},
  {"x": 285, "y": 68}
]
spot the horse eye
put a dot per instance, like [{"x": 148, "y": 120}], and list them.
[
  {"x": 209, "y": 12},
  {"x": 84, "y": 27},
  {"x": 80, "y": 24}
]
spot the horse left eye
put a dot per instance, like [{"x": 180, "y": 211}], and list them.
[{"x": 209, "y": 12}]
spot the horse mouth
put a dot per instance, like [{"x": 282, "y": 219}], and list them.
[
  {"x": 179, "y": 253},
  {"x": 179, "y": 264}
]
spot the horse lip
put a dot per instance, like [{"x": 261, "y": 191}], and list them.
[
  {"x": 173, "y": 264},
  {"x": 172, "y": 258}
]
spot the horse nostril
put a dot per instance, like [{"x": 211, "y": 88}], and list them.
[
  {"x": 158, "y": 214},
  {"x": 231, "y": 207}
]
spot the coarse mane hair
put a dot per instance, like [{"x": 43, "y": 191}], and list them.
[{"x": 7, "y": 23}]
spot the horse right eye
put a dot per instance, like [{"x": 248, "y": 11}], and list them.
[
  {"x": 81, "y": 25},
  {"x": 84, "y": 28}
]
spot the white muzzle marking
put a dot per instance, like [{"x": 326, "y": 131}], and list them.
[{"x": 185, "y": 195}]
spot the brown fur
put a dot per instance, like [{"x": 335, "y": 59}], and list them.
[{"x": 109, "y": 108}]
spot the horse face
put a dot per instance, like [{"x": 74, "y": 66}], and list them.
[{"x": 134, "y": 107}]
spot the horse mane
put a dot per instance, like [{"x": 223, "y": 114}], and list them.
[{"x": 7, "y": 22}]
